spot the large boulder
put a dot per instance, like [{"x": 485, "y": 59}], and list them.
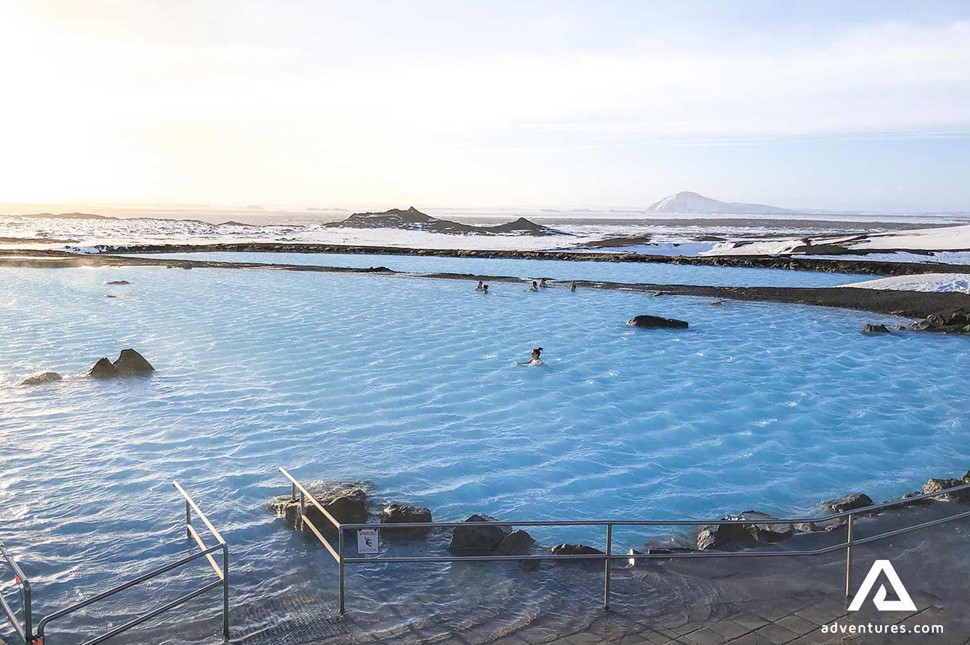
[
  {"x": 130, "y": 362},
  {"x": 815, "y": 527},
  {"x": 957, "y": 322},
  {"x": 404, "y": 514},
  {"x": 477, "y": 540},
  {"x": 656, "y": 322},
  {"x": 850, "y": 502},
  {"x": 515, "y": 543},
  {"x": 716, "y": 536},
  {"x": 38, "y": 379},
  {"x": 918, "y": 494},
  {"x": 767, "y": 528},
  {"x": 937, "y": 485},
  {"x": 347, "y": 504},
  {"x": 104, "y": 369},
  {"x": 762, "y": 527}
]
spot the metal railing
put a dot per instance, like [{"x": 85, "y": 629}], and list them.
[
  {"x": 302, "y": 521},
  {"x": 22, "y": 627},
  {"x": 609, "y": 556},
  {"x": 205, "y": 552}
]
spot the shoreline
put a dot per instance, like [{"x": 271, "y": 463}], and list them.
[
  {"x": 797, "y": 263},
  {"x": 908, "y": 304}
]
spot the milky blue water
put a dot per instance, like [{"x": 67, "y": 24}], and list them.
[
  {"x": 414, "y": 385},
  {"x": 563, "y": 270}
]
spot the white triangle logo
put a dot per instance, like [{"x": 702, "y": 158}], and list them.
[{"x": 905, "y": 603}]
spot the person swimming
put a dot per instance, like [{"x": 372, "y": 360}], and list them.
[
  {"x": 484, "y": 289},
  {"x": 535, "y": 358},
  {"x": 535, "y": 286},
  {"x": 481, "y": 286},
  {"x": 542, "y": 284}
]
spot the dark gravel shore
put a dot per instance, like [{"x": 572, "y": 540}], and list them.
[
  {"x": 866, "y": 267},
  {"x": 910, "y": 304}
]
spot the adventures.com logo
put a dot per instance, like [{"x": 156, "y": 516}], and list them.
[{"x": 903, "y": 603}]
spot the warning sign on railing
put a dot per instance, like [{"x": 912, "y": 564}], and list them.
[{"x": 368, "y": 542}]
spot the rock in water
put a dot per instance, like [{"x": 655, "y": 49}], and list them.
[
  {"x": 871, "y": 328},
  {"x": 131, "y": 362},
  {"x": 958, "y": 322},
  {"x": 117, "y": 282},
  {"x": 574, "y": 549},
  {"x": 403, "y": 513},
  {"x": 768, "y": 529},
  {"x": 37, "y": 379},
  {"x": 515, "y": 543},
  {"x": 346, "y": 505},
  {"x": 477, "y": 540},
  {"x": 104, "y": 369},
  {"x": 656, "y": 322},
  {"x": 763, "y": 528},
  {"x": 718, "y": 535},
  {"x": 937, "y": 485},
  {"x": 850, "y": 502}
]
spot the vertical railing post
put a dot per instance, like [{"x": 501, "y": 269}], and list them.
[
  {"x": 340, "y": 567},
  {"x": 28, "y": 620},
  {"x": 188, "y": 519},
  {"x": 606, "y": 567},
  {"x": 302, "y": 509},
  {"x": 225, "y": 590},
  {"x": 848, "y": 563},
  {"x": 292, "y": 492}
]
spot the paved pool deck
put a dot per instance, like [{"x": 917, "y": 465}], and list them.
[{"x": 753, "y": 601}]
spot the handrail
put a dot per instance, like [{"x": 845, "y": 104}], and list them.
[
  {"x": 222, "y": 573},
  {"x": 305, "y": 495},
  {"x": 610, "y": 556},
  {"x": 312, "y": 499},
  {"x": 154, "y": 573},
  {"x": 205, "y": 520},
  {"x": 24, "y": 629},
  {"x": 205, "y": 552}
]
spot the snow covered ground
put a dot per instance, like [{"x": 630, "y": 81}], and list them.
[
  {"x": 949, "y": 244},
  {"x": 950, "y": 238},
  {"x": 926, "y": 282},
  {"x": 692, "y": 236}
]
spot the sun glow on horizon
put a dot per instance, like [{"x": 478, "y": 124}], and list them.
[{"x": 325, "y": 103}]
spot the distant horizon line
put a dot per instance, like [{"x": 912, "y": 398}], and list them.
[{"x": 35, "y": 207}]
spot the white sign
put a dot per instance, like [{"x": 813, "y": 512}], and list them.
[
  {"x": 905, "y": 603},
  {"x": 368, "y": 542}
]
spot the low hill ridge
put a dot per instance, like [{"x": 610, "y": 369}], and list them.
[{"x": 412, "y": 219}]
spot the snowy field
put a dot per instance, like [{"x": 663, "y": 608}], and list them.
[
  {"x": 881, "y": 237},
  {"x": 937, "y": 282}
]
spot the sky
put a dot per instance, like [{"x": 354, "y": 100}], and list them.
[{"x": 823, "y": 104}]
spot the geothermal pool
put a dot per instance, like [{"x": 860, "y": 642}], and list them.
[
  {"x": 413, "y": 385},
  {"x": 638, "y": 272}
]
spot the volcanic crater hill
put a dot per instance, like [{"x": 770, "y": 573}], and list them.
[{"x": 414, "y": 220}]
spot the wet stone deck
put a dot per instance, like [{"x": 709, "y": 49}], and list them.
[{"x": 756, "y": 601}]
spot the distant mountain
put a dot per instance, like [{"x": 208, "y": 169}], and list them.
[
  {"x": 414, "y": 220},
  {"x": 688, "y": 202}
]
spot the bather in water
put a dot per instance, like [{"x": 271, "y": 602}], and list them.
[{"x": 534, "y": 359}]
